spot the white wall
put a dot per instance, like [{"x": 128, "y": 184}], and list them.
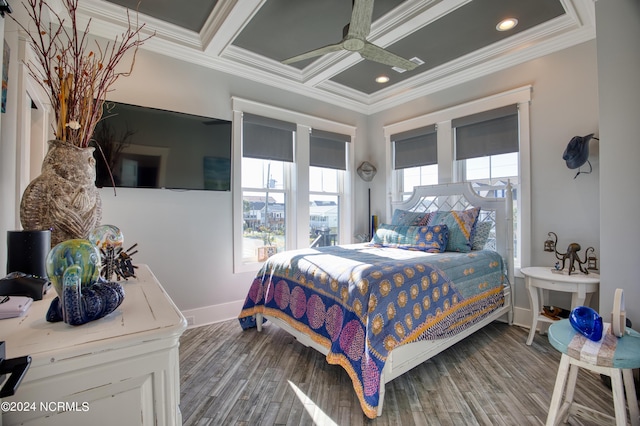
[
  {"x": 564, "y": 104},
  {"x": 618, "y": 27}
]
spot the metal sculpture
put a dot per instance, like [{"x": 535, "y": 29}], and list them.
[{"x": 570, "y": 255}]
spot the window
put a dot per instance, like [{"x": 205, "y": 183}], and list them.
[
  {"x": 267, "y": 154},
  {"x": 324, "y": 207},
  {"x": 291, "y": 185},
  {"x": 487, "y": 153},
  {"x": 485, "y": 141},
  {"x": 328, "y": 161},
  {"x": 415, "y": 158}
]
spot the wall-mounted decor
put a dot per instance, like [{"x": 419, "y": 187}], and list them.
[
  {"x": 367, "y": 171},
  {"x": 577, "y": 153}
]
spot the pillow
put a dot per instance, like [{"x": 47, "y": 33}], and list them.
[
  {"x": 461, "y": 224},
  {"x": 432, "y": 239},
  {"x": 481, "y": 235},
  {"x": 409, "y": 218}
]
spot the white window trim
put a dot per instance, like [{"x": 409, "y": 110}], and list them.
[
  {"x": 32, "y": 125},
  {"x": 442, "y": 119},
  {"x": 297, "y": 210}
]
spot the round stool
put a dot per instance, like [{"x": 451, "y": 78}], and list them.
[{"x": 612, "y": 356}]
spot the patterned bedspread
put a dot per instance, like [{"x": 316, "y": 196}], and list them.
[{"x": 360, "y": 301}]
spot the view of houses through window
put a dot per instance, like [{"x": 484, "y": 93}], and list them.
[
  {"x": 263, "y": 204},
  {"x": 264, "y": 212},
  {"x": 324, "y": 206},
  {"x": 265, "y": 196}
]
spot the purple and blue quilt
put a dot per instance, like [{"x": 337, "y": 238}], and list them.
[{"x": 360, "y": 301}]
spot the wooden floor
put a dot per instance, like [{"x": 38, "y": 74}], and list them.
[{"x": 235, "y": 377}]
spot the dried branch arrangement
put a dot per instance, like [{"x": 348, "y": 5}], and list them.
[{"x": 76, "y": 77}]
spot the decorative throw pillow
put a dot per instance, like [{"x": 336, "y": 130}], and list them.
[
  {"x": 432, "y": 239},
  {"x": 461, "y": 225},
  {"x": 481, "y": 235},
  {"x": 409, "y": 218}
]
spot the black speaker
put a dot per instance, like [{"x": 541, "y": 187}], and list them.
[{"x": 27, "y": 252}]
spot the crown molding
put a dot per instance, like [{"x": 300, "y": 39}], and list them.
[
  {"x": 212, "y": 48},
  {"x": 109, "y": 20}
]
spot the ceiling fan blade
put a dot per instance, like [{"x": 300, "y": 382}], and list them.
[
  {"x": 361, "y": 16},
  {"x": 378, "y": 54},
  {"x": 313, "y": 53}
]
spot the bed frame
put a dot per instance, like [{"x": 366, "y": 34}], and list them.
[{"x": 454, "y": 196}]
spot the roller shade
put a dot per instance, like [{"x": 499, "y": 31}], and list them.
[
  {"x": 487, "y": 133},
  {"x": 328, "y": 149},
  {"x": 414, "y": 148},
  {"x": 267, "y": 138}
]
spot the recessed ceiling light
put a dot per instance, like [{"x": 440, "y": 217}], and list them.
[
  {"x": 382, "y": 79},
  {"x": 506, "y": 24}
]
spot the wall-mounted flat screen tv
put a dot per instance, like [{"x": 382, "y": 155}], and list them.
[{"x": 153, "y": 148}]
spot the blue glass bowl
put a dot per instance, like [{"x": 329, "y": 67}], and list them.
[{"x": 587, "y": 322}]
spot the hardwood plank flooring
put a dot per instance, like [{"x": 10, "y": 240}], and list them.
[{"x": 235, "y": 377}]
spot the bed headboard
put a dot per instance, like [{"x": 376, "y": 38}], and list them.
[{"x": 461, "y": 196}]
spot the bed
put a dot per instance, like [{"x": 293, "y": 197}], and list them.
[{"x": 439, "y": 271}]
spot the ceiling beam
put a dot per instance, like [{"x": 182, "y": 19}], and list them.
[{"x": 226, "y": 21}]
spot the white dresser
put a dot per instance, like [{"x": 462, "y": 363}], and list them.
[{"x": 122, "y": 369}]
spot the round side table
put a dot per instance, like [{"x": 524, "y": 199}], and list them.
[{"x": 540, "y": 279}]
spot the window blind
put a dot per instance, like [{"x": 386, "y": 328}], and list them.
[
  {"x": 487, "y": 133},
  {"x": 328, "y": 149},
  {"x": 416, "y": 147},
  {"x": 267, "y": 138}
]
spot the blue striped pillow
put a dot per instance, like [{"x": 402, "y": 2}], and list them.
[{"x": 432, "y": 239}]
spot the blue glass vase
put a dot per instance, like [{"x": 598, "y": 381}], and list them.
[{"x": 587, "y": 322}]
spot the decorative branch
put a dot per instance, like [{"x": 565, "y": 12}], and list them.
[{"x": 76, "y": 78}]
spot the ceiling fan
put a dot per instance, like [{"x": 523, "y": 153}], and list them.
[{"x": 354, "y": 40}]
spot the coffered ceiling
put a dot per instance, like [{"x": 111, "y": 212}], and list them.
[{"x": 456, "y": 40}]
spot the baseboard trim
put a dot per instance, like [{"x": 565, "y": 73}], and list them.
[
  {"x": 522, "y": 317},
  {"x": 226, "y": 311},
  {"x": 212, "y": 314}
]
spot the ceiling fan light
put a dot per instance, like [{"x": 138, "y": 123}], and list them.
[
  {"x": 382, "y": 79},
  {"x": 506, "y": 24}
]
